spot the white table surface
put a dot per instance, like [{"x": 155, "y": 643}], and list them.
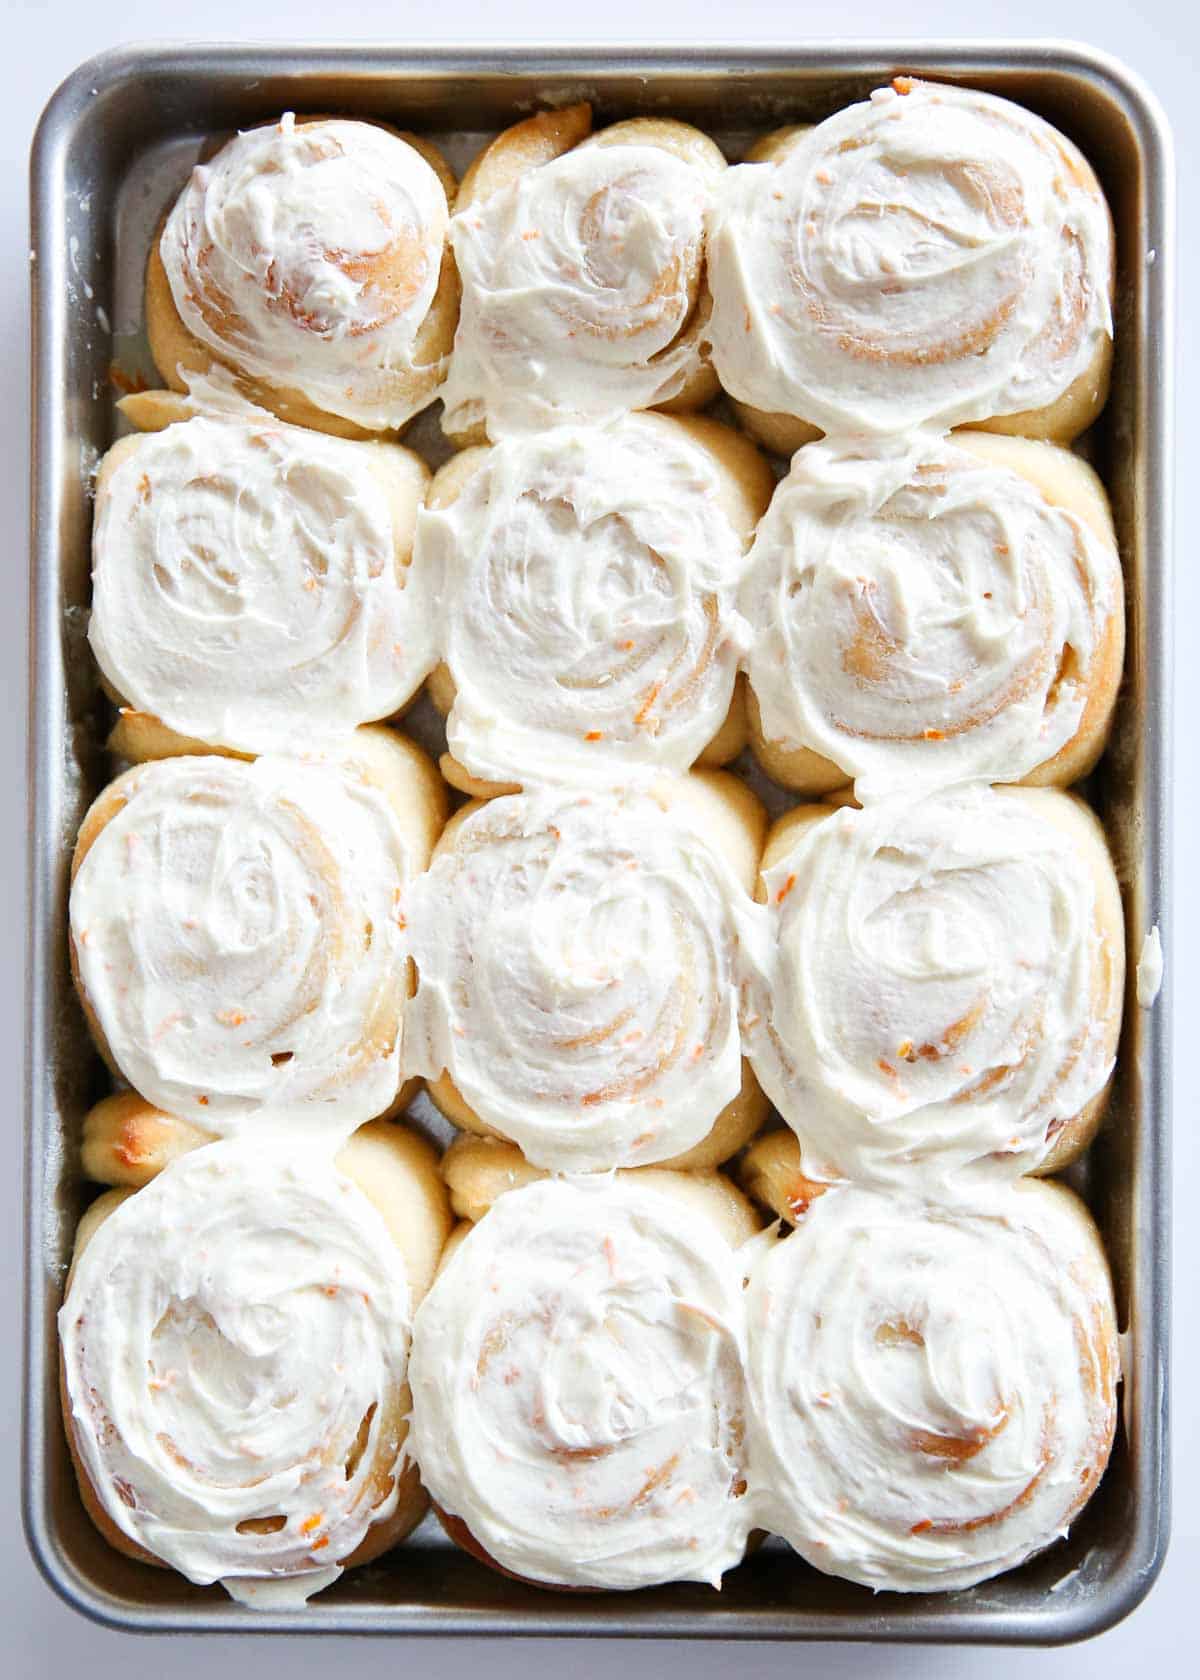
[{"x": 45, "y": 39}]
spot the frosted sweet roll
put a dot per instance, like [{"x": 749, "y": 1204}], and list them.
[
  {"x": 587, "y": 578},
  {"x": 579, "y": 1409},
  {"x": 235, "y": 936},
  {"x": 933, "y": 611},
  {"x": 234, "y": 1360},
  {"x": 582, "y": 264},
  {"x": 309, "y": 257},
  {"x": 933, "y": 1389},
  {"x": 942, "y": 985},
  {"x": 932, "y": 255},
  {"x": 579, "y": 959},
  {"x": 252, "y": 586}
]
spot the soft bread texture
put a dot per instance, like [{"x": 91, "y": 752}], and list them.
[
  {"x": 933, "y": 611},
  {"x": 827, "y": 309},
  {"x": 1015, "y": 1073},
  {"x": 479, "y": 1170},
  {"x": 397, "y": 1176},
  {"x": 507, "y": 940},
  {"x": 934, "y": 1387},
  {"x": 416, "y": 271},
  {"x": 252, "y": 585},
  {"x": 772, "y": 1173},
  {"x": 547, "y": 672},
  {"x": 547, "y": 228},
  {"x": 739, "y": 1121}
]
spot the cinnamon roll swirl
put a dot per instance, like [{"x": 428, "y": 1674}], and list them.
[
  {"x": 934, "y": 255},
  {"x": 942, "y": 986},
  {"x": 582, "y": 266},
  {"x": 251, "y": 583},
  {"x": 578, "y": 1391},
  {"x": 234, "y": 1360},
  {"x": 578, "y": 960},
  {"x": 933, "y": 1388},
  {"x": 236, "y": 941},
  {"x": 931, "y": 612},
  {"x": 587, "y": 580},
  {"x": 310, "y": 258}
]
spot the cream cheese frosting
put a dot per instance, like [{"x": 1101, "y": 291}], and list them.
[
  {"x": 578, "y": 1388},
  {"x": 587, "y": 579},
  {"x": 578, "y": 280},
  {"x": 916, "y": 612},
  {"x": 309, "y": 255},
  {"x": 934, "y": 254},
  {"x": 579, "y": 958},
  {"x": 235, "y": 931},
  {"x": 235, "y": 1344},
  {"x": 250, "y": 585},
  {"x": 1149, "y": 972},
  {"x": 938, "y": 992},
  {"x": 933, "y": 1389}
]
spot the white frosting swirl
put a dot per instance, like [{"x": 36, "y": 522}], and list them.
[
  {"x": 578, "y": 280},
  {"x": 309, "y": 256},
  {"x": 938, "y": 991},
  {"x": 578, "y": 962},
  {"x": 587, "y": 581},
  {"x": 933, "y": 1390},
  {"x": 922, "y": 617},
  {"x": 235, "y": 929},
  {"x": 235, "y": 1341},
  {"x": 933, "y": 254},
  {"x": 250, "y": 584},
  {"x": 578, "y": 1394}
]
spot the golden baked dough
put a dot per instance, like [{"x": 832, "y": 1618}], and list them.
[{"x": 477, "y": 1170}]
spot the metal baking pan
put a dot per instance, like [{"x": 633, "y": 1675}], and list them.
[{"x": 113, "y": 147}]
